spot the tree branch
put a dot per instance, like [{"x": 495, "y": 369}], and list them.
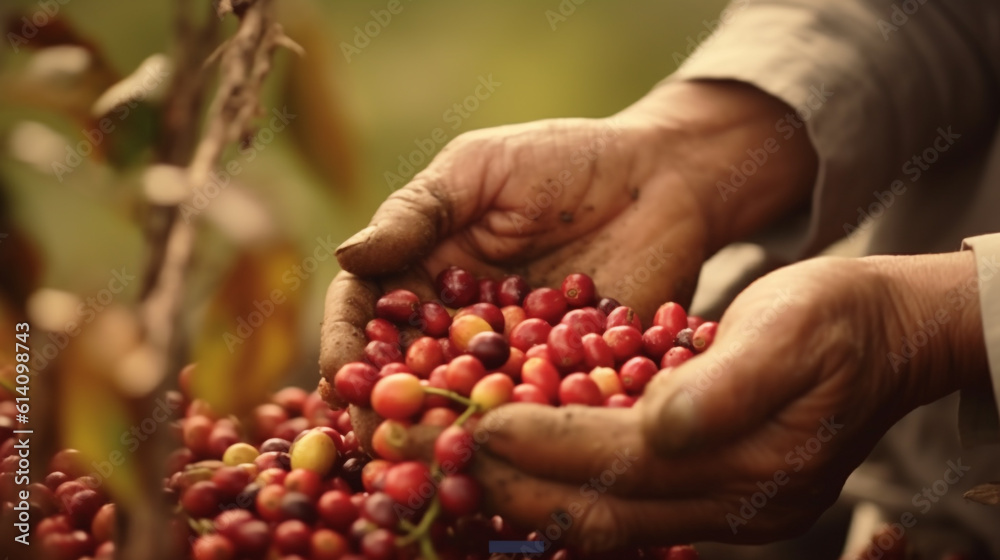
[{"x": 245, "y": 61}]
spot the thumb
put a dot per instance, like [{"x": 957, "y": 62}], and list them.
[
  {"x": 403, "y": 230},
  {"x": 410, "y": 223},
  {"x": 730, "y": 390}
]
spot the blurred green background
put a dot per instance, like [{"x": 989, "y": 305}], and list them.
[{"x": 354, "y": 119}]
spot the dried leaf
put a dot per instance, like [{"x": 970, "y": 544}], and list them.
[
  {"x": 249, "y": 341},
  {"x": 37, "y": 145},
  {"x": 54, "y": 32},
  {"x": 986, "y": 494},
  {"x": 62, "y": 63},
  {"x": 128, "y": 112},
  {"x": 147, "y": 82},
  {"x": 43, "y": 83},
  {"x": 290, "y": 44}
]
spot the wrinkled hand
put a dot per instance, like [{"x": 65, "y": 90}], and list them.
[
  {"x": 545, "y": 199},
  {"x": 631, "y": 200},
  {"x": 753, "y": 439},
  {"x": 542, "y": 199},
  {"x": 525, "y": 198}
]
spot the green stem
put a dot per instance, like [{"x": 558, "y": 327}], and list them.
[
  {"x": 200, "y": 526},
  {"x": 448, "y": 394},
  {"x": 420, "y": 532},
  {"x": 425, "y": 524},
  {"x": 473, "y": 408},
  {"x": 427, "y": 548}
]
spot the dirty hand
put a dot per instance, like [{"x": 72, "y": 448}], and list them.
[
  {"x": 752, "y": 440},
  {"x": 631, "y": 200}
]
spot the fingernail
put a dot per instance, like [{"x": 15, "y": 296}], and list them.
[
  {"x": 676, "y": 428},
  {"x": 358, "y": 238}
]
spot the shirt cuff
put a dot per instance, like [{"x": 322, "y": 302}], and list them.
[{"x": 979, "y": 411}]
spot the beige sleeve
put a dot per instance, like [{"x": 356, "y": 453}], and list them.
[
  {"x": 875, "y": 82},
  {"x": 979, "y": 422}
]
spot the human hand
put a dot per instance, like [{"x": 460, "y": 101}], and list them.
[
  {"x": 631, "y": 200},
  {"x": 752, "y": 440}
]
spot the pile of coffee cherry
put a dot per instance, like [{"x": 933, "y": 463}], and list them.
[
  {"x": 291, "y": 480},
  {"x": 483, "y": 344}
]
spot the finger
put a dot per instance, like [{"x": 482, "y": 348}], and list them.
[
  {"x": 732, "y": 389},
  {"x": 577, "y": 444},
  {"x": 591, "y": 517},
  {"x": 403, "y": 230},
  {"x": 570, "y": 443},
  {"x": 419, "y": 443},
  {"x": 326, "y": 392},
  {"x": 350, "y": 304},
  {"x": 363, "y": 422}
]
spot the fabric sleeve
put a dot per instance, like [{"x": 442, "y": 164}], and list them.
[
  {"x": 979, "y": 421},
  {"x": 874, "y": 83}
]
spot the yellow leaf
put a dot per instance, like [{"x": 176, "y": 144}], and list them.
[
  {"x": 94, "y": 417},
  {"x": 95, "y": 421},
  {"x": 248, "y": 340}
]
